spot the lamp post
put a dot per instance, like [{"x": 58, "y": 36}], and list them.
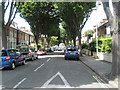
[{"x": 97, "y": 4}]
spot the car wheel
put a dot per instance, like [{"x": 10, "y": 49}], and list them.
[
  {"x": 12, "y": 66},
  {"x": 32, "y": 58},
  {"x": 66, "y": 58},
  {"x": 78, "y": 58},
  {"x": 23, "y": 62},
  {"x": 37, "y": 57}
]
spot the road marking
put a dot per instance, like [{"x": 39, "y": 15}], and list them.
[
  {"x": 39, "y": 67},
  {"x": 48, "y": 60},
  {"x": 100, "y": 83},
  {"x": 19, "y": 82},
  {"x": 46, "y": 84}
]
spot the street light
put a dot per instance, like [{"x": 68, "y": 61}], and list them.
[{"x": 97, "y": 4}]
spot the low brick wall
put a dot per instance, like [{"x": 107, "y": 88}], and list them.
[{"x": 101, "y": 55}]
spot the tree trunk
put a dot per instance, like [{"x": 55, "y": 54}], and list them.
[
  {"x": 4, "y": 28},
  {"x": 0, "y": 26},
  {"x": 74, "y": 42},
  {"x": 113, "y": 20},
  {"x": 79, "y": 38},
  {"x": 119, "y": 38},
  {"x": 48, "y": 41},
  {"x": 4, "y": 38},
  {"x": 116, "y": 41},
  {"x": 36, "y": 40}
]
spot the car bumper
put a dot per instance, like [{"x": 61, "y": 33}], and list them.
[
  {"x": 72, "y": 56},
  {"x": 5, "y": 64}
]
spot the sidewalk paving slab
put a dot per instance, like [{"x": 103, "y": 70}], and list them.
[{"x": 101, "y": 67}]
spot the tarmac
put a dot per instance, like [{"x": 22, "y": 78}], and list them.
[{"x": 101, "y": 68}]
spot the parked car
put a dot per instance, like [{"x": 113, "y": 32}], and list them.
[
  {"x": 11, "y": 58},
  {"x": 29, "y": 53},
  {"x": 49, "y": 50},
  {"x": 41, "y": 52},
  {"x": 59, "y": 49},
  {"x": 72, "y": 52}
]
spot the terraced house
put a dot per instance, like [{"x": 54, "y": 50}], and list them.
[{"x": 17, "y": 36}]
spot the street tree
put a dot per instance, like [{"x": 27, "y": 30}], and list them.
[
  {"x": 114, "y": 22},
  {"x": 41, "y": 17},
  {"x": 11, "y": 7},
  {"x": 89, "y": 33},
  {"x": 75, "y": 14}
]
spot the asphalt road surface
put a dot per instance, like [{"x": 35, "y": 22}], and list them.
[{"x": 50, "y": 71}]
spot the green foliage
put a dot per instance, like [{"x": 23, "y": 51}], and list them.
[
  {"x": 73, "y": 14},
  {"x": 89, "y": 33},
  {"x": 104, "y": 44},
  {"x": 86, "y": 46},
  {"x": 42, "y": 18},
  {"x": 53, "y": 40}
]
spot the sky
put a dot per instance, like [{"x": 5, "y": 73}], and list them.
[
  {"x": 94, "y": 19},
  {"x": 20, "y": 21}
]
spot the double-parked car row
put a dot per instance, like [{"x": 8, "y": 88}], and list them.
[{"x": 12, "y": 57}]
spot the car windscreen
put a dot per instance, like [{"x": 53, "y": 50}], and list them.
[
  {"x": 3, "y": 53},
  {"x": 24, "y": 50},
  {"x": 71, "y": 49}
]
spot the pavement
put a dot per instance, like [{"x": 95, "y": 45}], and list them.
[{"x": 101, "y": 68}]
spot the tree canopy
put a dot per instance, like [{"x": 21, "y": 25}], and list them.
[
  {"x": 42, "y": 18},
  {"x": 74, "y": 14}
]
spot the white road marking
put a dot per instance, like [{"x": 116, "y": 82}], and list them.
[
  {"x": 46, "y": 84},
  {"x": 39, "y": 67},
  {"x": 19, "y": 82},
  {"x": 48, "y": 60},
  {"x": 100, "y": 83}
]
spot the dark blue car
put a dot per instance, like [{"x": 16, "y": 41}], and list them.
[
  {"x": 10, "y": 58},
  {"x": 72, "y": 52}
]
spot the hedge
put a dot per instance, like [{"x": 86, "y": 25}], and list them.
[{"x": 104, "y": 44}]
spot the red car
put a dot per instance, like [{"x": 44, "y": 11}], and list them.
[{"x": 41, "y": 52}]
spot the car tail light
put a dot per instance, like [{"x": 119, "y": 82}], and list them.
[
  {"x": 66, "y": 52},
  {"x": 7, "y": 58}
]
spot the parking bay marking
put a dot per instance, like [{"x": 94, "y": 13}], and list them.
[
  {"x": 46, "y": 84},
  {"x": 48, "y": 60},
  {"x": 19, "y": 82},
  {"x": 39, "y": 67}
]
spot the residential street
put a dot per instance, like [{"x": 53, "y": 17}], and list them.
[{"x": 50, "y": 71}]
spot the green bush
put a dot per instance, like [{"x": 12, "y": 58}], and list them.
[
  {"x": 104, "y": 45},
  {"x": 86, "y": 46}
]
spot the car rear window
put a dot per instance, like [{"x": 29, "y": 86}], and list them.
[
  {"x": 40, "y": 50},
  {"x": 3, "y": 53},
  {"x": 12, "y": 52},
  {"x": 71, "y": 49}
]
